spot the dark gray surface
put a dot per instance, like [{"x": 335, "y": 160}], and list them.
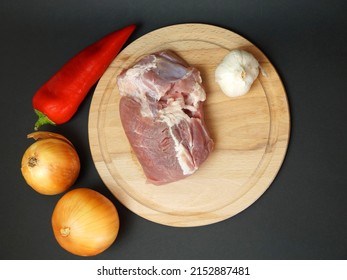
[{"x": 303, "y": 213}]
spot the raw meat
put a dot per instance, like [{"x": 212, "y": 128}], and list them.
[{"x": 161, "y": 110}]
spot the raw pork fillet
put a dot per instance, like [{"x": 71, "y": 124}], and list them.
[{"x": 162, "y": 116}]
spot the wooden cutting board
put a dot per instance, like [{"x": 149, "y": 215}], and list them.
[{"x": 251, "y": 133}]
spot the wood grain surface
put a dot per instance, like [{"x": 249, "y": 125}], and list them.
[{"x": 251, "y": 133}]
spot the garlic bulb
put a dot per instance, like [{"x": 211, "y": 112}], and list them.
[{"x": 237, "y": 72}]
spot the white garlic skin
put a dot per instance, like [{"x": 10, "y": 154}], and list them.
[{"x": 237, "y": 72}]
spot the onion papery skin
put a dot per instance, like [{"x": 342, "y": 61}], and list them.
[
  {"x": 84, "y": 222},
  {"x": 50, "y": 166}
]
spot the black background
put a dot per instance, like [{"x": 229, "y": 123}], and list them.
[{"x": 303, "y": 213}]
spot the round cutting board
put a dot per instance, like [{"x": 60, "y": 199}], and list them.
[{"x": 250, "y": 132}]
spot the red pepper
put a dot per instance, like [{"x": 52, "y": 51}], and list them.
[{"x": 59, "y": 98}]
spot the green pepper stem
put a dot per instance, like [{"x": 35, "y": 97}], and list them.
[{"x": 43, "y": 119}]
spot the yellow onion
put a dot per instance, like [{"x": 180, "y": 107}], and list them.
[
  {"x": 51, "y": 164},
  {"x": 85, "y": 222}
]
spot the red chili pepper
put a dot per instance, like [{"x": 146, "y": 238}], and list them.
[{"x": 59, "y": 98}]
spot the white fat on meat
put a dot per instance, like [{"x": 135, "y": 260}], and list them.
[{"x": 172, "y": 115}]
